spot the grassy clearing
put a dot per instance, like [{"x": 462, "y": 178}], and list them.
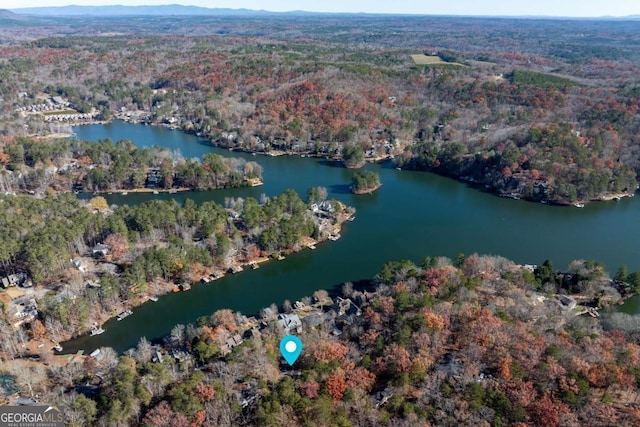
[
  {"x": 421, "y": 59},
  {"x": 534, "y": 78}
]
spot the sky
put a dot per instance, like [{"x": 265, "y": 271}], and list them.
[{"x": 569, "y": 8}]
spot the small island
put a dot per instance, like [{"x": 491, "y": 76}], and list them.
[{"x": 365, "y": 182}]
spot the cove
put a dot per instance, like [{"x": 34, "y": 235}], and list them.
[{"x": 413, "y": 215}]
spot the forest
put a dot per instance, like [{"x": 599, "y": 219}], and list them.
[
  {"x": 38, "y": 166},
  {"x": 537, "y": 109},
  {"x": 477, "y": 340},
  {"x": 150, "y": 249}
]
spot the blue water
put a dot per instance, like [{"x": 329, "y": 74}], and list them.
[{"x": 413, "y": 215}]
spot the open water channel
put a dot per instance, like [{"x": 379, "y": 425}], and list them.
[{"x": 413, "y": 215}]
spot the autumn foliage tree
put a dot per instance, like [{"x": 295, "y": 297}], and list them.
[
  {"x": 38, "y": 331},
  {"x": 118, "y": 245},
  {"x": 226, "y": 319},
  {"x": 336, "y": 387}
]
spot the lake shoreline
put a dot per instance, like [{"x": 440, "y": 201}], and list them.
[
  {"x": 429, "y": 213},
  {"x": 366, "y": 190},
  {"x": 235, "y": 266},
  {"x": 253, "y": 182},
  {"x": 378, "y": 159}
]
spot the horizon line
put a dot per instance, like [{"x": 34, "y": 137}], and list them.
[{"x": 603, "y": 17}]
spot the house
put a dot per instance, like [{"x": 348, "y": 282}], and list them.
[
  {"x": 383, "y": 396},
  {"x": 100, "y": 250},
  {"x": 154, "y": 178},
  {"x": 290, "y": 323},
  {"x": 229, "y": 136},
  {"x": 59, "y": 100},
  {"x": 26, "y": 401},
  {"x": 18, "y": 279},
  {"x": 326, "y": 206},
  {"x": 230, "y": 342},
  {"x": 346, "y": 307},
  {"x": 14, "y": 279},
  {"x": 313, "y": 320},
  {"x": 24, "y": 311},
  {"x": 249, "y": 395},
  {"x": 567, "y": 302},
  {"x": 451, "y": 366},
  {"x": 77, "y": 263},
  {"x": 363, "y": 297},
  {"x": 267, "y": 313},
  {"x": 179, "y": 355}
]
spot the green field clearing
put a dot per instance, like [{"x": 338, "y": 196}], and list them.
[
  {"x": 534, "y": 78},
  {"x": 421, "y": 59}
]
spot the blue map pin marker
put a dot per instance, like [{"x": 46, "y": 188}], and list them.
[{"x": 290, "y": 348}]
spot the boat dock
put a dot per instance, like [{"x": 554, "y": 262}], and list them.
[{"x": 124, "y": 314}]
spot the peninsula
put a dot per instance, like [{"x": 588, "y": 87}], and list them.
[{"x": 120, "y": 257}]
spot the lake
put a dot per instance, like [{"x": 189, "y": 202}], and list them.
[{"x": 413, "y": 215}]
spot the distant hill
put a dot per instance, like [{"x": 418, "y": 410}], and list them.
[
  {"x": 8, "y": 15},
  {"x": 163, "y": 10},
  {"x": 177, "y": 9}
]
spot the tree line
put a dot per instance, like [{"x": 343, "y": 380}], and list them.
[{"x": 32, "y": 165}]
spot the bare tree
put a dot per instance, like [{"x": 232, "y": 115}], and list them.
[
  {"x": 144, "y": 351},
  {"x": 347, "y": 289},
  {"x": 28, "y": 376},
  {"x": 322, "y": 193},
  {"x": 321, "y": 296},
  {"x": 65, "y": 376},
  {"x": 108, "y": 359},
  {"x": 191, "y": 333},
  {"x": 177, "y": 335}
]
